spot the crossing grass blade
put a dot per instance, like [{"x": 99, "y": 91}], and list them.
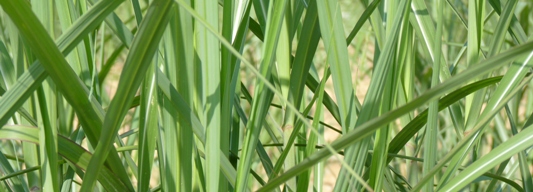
[
  {"x": 522, "y": 156},
  {"x": 71, "y": 151},
  {"x": 140, "y": 56},
  {"x": 515, "y": 74},
  {"x": 417, "y": 123},
  {"x": 505, "y": 150},
  {"x": 307, "y": 45},
  {"x": 369, "y": 127},
  {"x": 467, "y": 141},
  {"x": 66, "y": 80},
  {"x": 260, "y": 103},
  {"x": 375, "y": 96}
]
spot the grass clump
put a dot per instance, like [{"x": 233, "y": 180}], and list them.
[{"x": 303, "y": 95}]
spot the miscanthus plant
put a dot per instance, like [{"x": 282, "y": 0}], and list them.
[{"x": 239, "y": 95}]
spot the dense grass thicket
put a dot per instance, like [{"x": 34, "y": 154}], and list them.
[{"x": 266, "y": 95}]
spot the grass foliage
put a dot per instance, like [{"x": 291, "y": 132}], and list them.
[{"x": 263, "y": 95}]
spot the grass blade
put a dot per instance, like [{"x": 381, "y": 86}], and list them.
[{"x": 140, "y": 56}]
